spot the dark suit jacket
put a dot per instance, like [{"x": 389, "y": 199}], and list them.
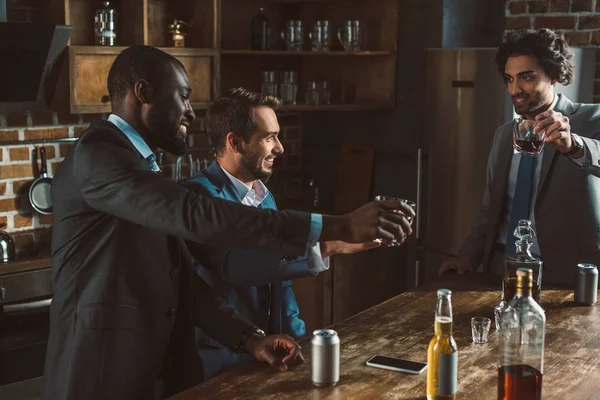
[
  {"x": 567, "y": 208},
  {"x": 255, "y": 283},
  {"x": 123, "y": 285}
]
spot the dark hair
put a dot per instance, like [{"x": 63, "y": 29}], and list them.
[
  {"x": 135, "y": 63},
  {"x": 233, "y": 112},
  {"x": 548, "y": 47}
]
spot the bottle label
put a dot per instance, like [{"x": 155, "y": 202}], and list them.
[{"x": 447, "y": 373}]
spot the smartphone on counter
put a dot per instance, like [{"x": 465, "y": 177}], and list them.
[{"x": 397, "y": 364}]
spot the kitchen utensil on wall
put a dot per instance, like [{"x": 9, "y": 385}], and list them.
[
  {"x": 7, "y": 246},
  {"x": 350, "y": 35},
  {"x": 39, "y": 192},
  {"x": 105, "y": 27},
  {"x": 293, "y": 35}
]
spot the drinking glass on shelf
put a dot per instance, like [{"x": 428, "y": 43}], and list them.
[
  {"x": 269, "y": 83},
  {"x": 350, "y": 35},
  {"x": 289, "y": 87},
  {"x": 325, "y": 96},
  {"x": 525, "y": 140},
  {"x": 293, "y": 35},
  {"x": 410, "y": 203},
  {"x": 313, "y": 93},
  {"x": 319, "y": 36}
]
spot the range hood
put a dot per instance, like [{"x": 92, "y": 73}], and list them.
[{"x": 29, "y": 69}]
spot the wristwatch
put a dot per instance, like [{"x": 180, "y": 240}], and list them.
[
  {"x": 240, "y": 348},
  {"x": 577, "y": 144}
]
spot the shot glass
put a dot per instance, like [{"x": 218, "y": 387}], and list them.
[
  {"x": 410, "y": 203},
  {"x": 480, "y": 328}
]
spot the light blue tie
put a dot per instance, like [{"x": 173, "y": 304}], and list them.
[
  {"x": 521, "y": 201},
  {"x": 152, "y": 163}
]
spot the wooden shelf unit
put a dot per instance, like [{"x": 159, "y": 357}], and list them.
[
  {"x": 286, "y": 53},
  {"x": 218, "y": 55},
  {"x": 359, "y": 81}
]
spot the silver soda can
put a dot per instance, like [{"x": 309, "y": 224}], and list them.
[
  {"x": 325, "y": 358},
  {"x": 586, "y": 284}
]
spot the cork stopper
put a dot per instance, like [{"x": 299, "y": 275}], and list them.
[{"x": 524, "y": 281}]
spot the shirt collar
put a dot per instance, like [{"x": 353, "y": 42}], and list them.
[
  {"x": 553, "y": 102},
  {"x": 133, "y": 136},
  {"x": 250, "y": 197}
]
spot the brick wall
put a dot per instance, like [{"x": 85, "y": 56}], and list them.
[
  {"x": 578, "y": 19},
  {"x": 19, "y": 166}
]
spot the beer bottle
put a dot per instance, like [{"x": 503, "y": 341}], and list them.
[{"x": 442, "y": 355}]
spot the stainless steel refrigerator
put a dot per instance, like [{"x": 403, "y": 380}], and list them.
[{"x": 466, "y": 101}]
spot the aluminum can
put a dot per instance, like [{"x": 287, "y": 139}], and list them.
[
  {"x": 325, "y": 358},
  {"x": 586, "y": 284}
]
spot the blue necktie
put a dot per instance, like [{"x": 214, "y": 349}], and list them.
[
  {"x": 152, "y": 163},
  {"x": 521, "y": 201}
]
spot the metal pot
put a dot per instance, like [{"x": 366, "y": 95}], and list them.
[{"x": 7, "y": 246}]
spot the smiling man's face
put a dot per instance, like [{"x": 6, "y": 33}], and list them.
[
  {"x": 170, "y": 113},
  {"x": 264, "y": 145},
  {"x": 530, "y": 88}
]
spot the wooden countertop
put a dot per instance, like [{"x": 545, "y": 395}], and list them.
[
  {"x": 402, "y": 327},
  {"x": 24, "y": 265}
]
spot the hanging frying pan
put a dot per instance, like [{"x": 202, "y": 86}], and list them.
[{"x": 39, "y": 193}]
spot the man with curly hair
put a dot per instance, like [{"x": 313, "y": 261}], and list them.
[{"x": 558, "y": 190}]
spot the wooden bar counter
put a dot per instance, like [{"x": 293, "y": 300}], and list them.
[{"x": 402, "y": 327}]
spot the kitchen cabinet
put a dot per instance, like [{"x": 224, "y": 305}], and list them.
[
  {"x": 218, "y": 55},
  {"x": 89, "y": 67}
]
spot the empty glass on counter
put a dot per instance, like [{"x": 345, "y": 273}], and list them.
[
  {"x": 288, "y": 87},
  {"x": 293, "y": 35},
  {"x": 350, "y": 35},
  {"x": 319, "y": 36},
  {"x": 269, "y": 83},
  {"x": 480, "y": 328}
]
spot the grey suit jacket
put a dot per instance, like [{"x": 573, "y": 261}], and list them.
[
  {"x": 125, "y": 298},
  {"x": 566, "y": 210}
]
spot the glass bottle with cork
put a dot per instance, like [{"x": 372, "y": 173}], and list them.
[
  {"x": 521, "y": 337},
  {"x": 442, "y": 354}
]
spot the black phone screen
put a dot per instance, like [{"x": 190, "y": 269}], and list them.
[{"x": 397, "y": 363}]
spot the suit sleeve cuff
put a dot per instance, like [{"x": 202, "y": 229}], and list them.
[
  {"x": 316, "y": 263},
  {"x": 316, "y": 226}
]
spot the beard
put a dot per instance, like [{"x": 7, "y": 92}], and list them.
[
  {"x": 253, "y": 164},
  {"x": 167, "y": 136},
  {"x": 531, "y": 105}
]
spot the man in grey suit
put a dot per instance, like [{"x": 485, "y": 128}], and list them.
[
  {"x": 559, "y": 189},
  {"x": 125, "y": 298}
]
